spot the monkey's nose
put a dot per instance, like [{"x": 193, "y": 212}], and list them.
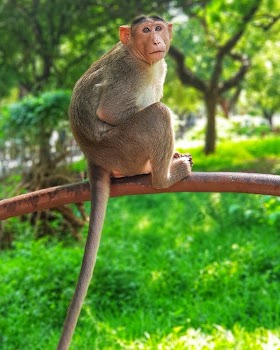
[{"x": 156, "y": 40}]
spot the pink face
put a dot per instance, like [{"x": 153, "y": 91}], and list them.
[{"x": 149, "y": 41}]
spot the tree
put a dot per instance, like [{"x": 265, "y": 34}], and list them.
[
  {"x": 33, "y": 119},
  {"x": 47, "y": 44},
  {"x": 216, "y": 52},
  {"x": 31, "y": 122}
]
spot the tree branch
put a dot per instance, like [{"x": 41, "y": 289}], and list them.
[
  {"x": 229, "y": 45},
  {"x": 235, "y": 80},
  {"x": 185, "y": 74},
  {"x": 226, "y": 49},
  {"x": 272, "y": 20}
]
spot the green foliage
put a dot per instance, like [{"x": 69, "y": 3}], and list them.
[
  {"x": 179, "y": 98},
  {"x": 201, "y": 36},
  {"x": 49, "y": 44},
  {"x": 79, "y": 166},
  {"x": 271, "y": 207},
  {"x": 262, "y": 89},
  {"x": 31, "y": 122},
  {"x": 250, "y": 130},
  {"x": 37, "y": 114}
]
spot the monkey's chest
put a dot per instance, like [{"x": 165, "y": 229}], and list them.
[{"x": 148, "y": 95}]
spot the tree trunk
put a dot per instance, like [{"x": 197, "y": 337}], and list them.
[
  {"x": 268, "y": 115},
  {"x": 210, "y": 139}
]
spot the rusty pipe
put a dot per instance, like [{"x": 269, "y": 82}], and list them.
[{"x": 141, "y": 184}]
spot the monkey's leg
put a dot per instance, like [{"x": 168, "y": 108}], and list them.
[
  {"x": 166, "y": 173},
  {"x": 144, "y": 137},
  {"x": 167, "y": 167},
  {"x": 154, "y": 125}
]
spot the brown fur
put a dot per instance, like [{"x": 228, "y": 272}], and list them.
[{"x": 123, "y": 129}]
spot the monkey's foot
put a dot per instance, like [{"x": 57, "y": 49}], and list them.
[{"x": 177, "y": 155}]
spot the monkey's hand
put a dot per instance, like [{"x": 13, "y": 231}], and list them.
[{"x": 177, "y": 155}]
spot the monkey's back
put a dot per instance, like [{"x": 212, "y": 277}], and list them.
[
  {"x": 102, "y": 76},
  {"x": 121, "y": 83}
]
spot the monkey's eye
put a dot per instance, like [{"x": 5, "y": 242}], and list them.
[
  {"x": 158, "y": 28},
  {"x": 146, "y": 30}
]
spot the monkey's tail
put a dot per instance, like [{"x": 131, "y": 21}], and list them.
[{"x": 100, "y": 190}]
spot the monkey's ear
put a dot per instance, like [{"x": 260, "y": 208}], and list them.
[
  {"x": 170, "y": 30},
  {"x": 124, "y": 32}
]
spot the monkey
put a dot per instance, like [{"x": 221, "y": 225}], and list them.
[{"x": 123, "y": 130}]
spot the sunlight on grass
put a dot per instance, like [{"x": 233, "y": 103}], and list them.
[
  {"x": 261, "y": 154},
  {"x": 156, "y": 275},
  {"x": 196, "y": 339},
  {"x": 184, "y": 243},
  {"x": 143, "y": 223}
]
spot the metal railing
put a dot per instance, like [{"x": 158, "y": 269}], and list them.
[{"x": 141, "y": 184}]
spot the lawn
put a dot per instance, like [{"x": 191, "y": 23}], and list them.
[{"x": 174, "y": 271}]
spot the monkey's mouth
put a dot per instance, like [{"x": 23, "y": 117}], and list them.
[{"x": 159, "y": 51}]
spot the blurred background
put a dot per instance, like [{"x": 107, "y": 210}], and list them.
[{"x": 175, "y": 271}]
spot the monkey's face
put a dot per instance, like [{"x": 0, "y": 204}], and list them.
[{"x": 150, "y": 40}]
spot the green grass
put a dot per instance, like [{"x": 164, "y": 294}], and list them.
[
  {"x": 259, "y": 155},
  {"x": 174, "y": 271}
]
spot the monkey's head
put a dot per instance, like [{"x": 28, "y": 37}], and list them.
[{"x": 148, "y": 38}]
